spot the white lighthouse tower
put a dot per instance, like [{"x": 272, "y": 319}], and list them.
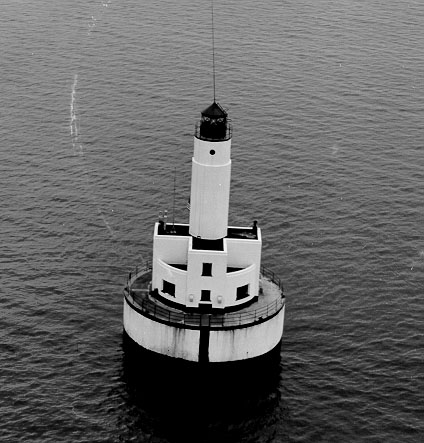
[{"x": 205, "y": 296}]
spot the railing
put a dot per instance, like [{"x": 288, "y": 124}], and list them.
[
  {"x": 139, "y": 298},
  {"x": 137, "y": 272},
  {"x": 271, "y": 276},
  {"x": 227, "y": 136},
  {"x": 228, "y": 320}
]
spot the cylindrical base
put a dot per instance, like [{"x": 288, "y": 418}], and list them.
[{"x": 204, "y": 344}]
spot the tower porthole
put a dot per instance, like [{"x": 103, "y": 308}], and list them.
[{"x": 212, "y": 152}]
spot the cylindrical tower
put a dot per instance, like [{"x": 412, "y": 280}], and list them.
[{"x": 211, "y": 174}]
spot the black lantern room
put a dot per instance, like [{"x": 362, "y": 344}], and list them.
[{"x": 213, "y": 123}]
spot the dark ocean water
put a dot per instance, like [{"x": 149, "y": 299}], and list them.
[{"x": 99, "y": 101}]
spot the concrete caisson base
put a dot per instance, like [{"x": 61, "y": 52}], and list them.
[
  {"x": 159, "y": 337},
  {"x": 247, "y": 342},
  {"x": 203, "y": 344}
]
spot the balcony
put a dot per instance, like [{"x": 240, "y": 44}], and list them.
[{"x": 270, "y": 302}]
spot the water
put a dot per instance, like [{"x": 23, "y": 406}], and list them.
[{"x": 99, "y": 102}]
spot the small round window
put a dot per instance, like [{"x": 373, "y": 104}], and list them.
[{"x": 212, "y": 152}]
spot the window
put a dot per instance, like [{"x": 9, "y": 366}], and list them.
[
  {"x": 242, "y": 292},
  {"x": 168, "y": 288},
  {"x": 206, "y": 295},
  {"x": 207, "y": 270}
]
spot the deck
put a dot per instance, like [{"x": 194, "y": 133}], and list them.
[{"x": 269, "y": 303}]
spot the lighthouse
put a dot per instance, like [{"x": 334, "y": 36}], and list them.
[
  {"x": 205, "y": 296},
  {"x": 211, "y": 172}
]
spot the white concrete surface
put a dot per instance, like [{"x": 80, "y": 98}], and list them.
[
  {"x": 161, "y": 338},
  {"x": 244, "y": 343},
  {"x": 224, "y": 345},
  {"x": 210, "y": 189}
]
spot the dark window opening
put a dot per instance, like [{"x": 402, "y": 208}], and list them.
[
  {"x": 168, "y": 288},
  {"x": 242, "y": 292},
  {"x": 179, "y": 266},
  {"x": 206, "y": 295},
  {"x": 208, "y": 245},
  {"x": 231, "y": 269},
  {"x": 207, "y": 270}
]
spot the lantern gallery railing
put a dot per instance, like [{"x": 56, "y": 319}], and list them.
[
  {"x": 226, "y": 133},
  {"x": 140, "y": 301}
]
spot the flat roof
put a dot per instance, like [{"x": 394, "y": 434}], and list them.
[{"x": 242, "y": 232}]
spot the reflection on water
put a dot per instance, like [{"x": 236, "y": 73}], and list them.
[{"x": 183, "y": 401}]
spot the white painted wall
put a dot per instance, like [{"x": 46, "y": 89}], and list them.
[
  {"x": 160, "y": 338},
  {"x": 170, "y": 248},
  {"x": 244, "y": 252},
  {"x": 202, "y": 152},
  {"x": 241, "y": 344},
  {"x": 196, "y": 282},
  {"x": 210, "y": 189},
  {"x": 173, "y": 275},
  {"x": 224, "y": 346},
  {"x": 241, "y": 278}
]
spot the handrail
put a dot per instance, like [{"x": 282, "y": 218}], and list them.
[
  {"x": 136, "y": 272},
  {"x": 228, "y": 133},
  {"x": 214, "y": 320},
  {"x": 231, "y": 319},
  {"x": 270, "y": 275}
]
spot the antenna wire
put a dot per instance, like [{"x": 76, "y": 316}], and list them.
[{"x": 213, "y": 53}]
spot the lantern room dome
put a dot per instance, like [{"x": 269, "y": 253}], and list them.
[
  {"x": 214, "y": 111},
  {"x": 213, "y": 123}
]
